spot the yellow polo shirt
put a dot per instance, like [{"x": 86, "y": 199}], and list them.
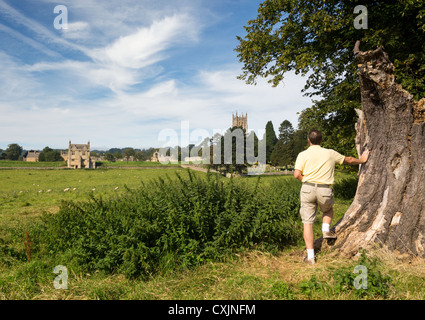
[{"x": 317, "y": 164}]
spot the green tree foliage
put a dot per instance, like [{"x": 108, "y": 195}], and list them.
[
  {"x": 299, "y": 141},
  {"x": 316, "y": 39},
  {"x": 335, "y": 117},
  {"x": 110, "y": 157},
  {"x": 252, "y": 148},
  {"x": 49, "y": 155},
  {"x": 286, "y": 131},
  {"x": 145, "y": 154},
  {"x": 283, "y": 152},
  {"x": 270, "y": 139},
  {"x": 139, "y": 156},
  {"x": 13, "y": 151},
  {"x": 236, "y": 160},
  {"x": 118, "y": 155},
  {"x": 128, "y": 152},
  {"x": 244, "y": 150}
]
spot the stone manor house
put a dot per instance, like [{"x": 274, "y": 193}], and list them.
[
  {"x": 78, "y": 156},
  {"x": 32, "y": 156}
]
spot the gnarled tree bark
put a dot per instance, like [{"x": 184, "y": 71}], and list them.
[{"x": 389, "y": 206}]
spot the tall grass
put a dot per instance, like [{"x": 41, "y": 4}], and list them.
[{"x": 173, "y": 224}]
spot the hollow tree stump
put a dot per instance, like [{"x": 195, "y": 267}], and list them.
[{"x": 389, "y": 206}]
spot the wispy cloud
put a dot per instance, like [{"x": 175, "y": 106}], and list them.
[
  {"x": 42, "y": 33},
  {"x": 217, "y": 93},
  {"x": 16, "y": 83},
  {"x": 77, "y": 31},
  {"x": 122, "y": 63},
  {"x": 34, "y": 44},
  {"x": 147, "y": 45}
]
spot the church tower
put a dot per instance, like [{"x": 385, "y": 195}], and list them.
[{"x": 240, "y": 121}]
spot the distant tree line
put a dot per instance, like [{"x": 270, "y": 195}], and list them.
[
  {"x": 115, "y": 154},
  {"x": 15, "y": 152}
]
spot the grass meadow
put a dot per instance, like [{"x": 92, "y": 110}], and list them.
[
  {"x": 10, "y": 164},
  {"x": 248, "y": 273}
]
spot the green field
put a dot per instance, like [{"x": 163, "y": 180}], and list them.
[
  {"x": 23, "y": 164},
  {"x": 132, "y": 164},
  {"x": 5, "y": 164},
  {"x": 26, "y": 194}
]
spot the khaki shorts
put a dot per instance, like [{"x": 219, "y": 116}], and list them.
[{"x": 313, "y": 195}]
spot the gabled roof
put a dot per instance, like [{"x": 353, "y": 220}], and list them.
[{"x": 80, "y": 147}]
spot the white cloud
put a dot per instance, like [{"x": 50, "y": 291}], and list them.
[
  {"x": 44, "y": 34},
  {"x": 15, "y": 82},
  {"x": 127, "y": 60},
  {"x": 210, "y": 104},
  {"x": 147, "y": 45},
  {"x": 79, "y": 31}
]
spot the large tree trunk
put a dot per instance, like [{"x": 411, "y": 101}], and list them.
[{"x": 389, "y": 205}]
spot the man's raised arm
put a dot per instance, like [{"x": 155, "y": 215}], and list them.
[{"x": 354, "y": 161}]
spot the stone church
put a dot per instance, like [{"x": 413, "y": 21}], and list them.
[
  {"x": 240, "y": 121},
  {"x": 78, "y": 156}
]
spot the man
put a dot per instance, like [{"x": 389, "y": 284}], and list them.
[{"x": 315, "y": 167}]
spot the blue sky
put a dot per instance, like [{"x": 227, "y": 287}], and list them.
[{"x": 125, "y": 71}]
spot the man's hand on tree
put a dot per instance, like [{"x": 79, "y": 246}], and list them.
[{"x": 364, "y": 157}]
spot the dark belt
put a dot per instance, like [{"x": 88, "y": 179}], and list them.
[{"x": 317, "y": 185}]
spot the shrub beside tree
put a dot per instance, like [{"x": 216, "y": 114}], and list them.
[{"x": 50, "y": 155}]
